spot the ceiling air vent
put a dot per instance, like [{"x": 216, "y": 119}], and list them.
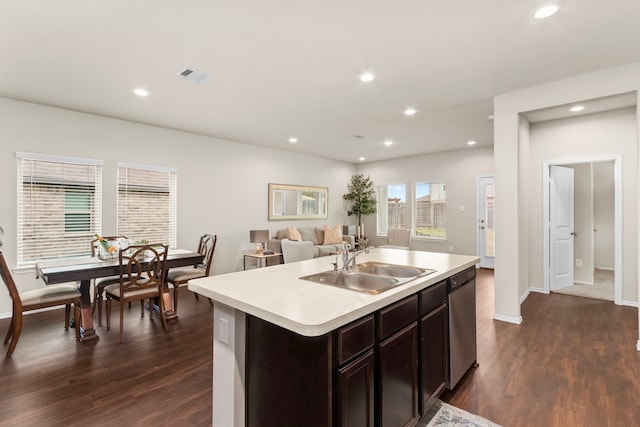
[
  {"x": 356, "y": 137},
  {"x": 194, "y": 76}
]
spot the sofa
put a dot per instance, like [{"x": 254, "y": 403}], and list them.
[{"x": 313, "y": 234}]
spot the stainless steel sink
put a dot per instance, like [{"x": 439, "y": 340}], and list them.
[
  {"x": 370, "y": 278},
  {"x": 392, "y": 270}
]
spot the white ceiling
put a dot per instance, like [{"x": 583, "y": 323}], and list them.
[{"x": 284, "y": 68}]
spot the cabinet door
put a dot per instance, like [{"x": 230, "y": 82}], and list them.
[
  {"x": 397, "y": 397},
  {"x": 355, "y": 392},
  {"x": 433, "y": 355}
]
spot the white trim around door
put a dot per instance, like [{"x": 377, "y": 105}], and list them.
[{"x": 617, "y": 159}]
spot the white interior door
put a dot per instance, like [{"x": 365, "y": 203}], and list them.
[
  {"x": 561, "y": 207},
  {"x": 486, "y": 221}
]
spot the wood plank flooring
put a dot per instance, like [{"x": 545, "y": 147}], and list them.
[
  {"x": 572, "y": 362},
  {"x": 152, "y": 379}
]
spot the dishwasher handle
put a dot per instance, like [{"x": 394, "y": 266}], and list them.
[{"x": 462, "y": 279}]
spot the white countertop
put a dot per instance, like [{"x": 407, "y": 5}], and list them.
[{"x": 277, "y": 295}]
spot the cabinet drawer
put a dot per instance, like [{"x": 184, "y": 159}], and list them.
[
  {"x": 355, "y": 338},
  {"x": 432, "y": 297},
  {"x": 396, "y": 316}
]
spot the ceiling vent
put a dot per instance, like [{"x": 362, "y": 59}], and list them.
[
  {"x": 194, "y": 76},
  {"x": 356, "y": 137}
]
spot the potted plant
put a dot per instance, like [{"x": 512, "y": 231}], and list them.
[{"x": 360, "y": 197}]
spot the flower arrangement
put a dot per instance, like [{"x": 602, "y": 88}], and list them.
[{"x": 107, "y": 249}]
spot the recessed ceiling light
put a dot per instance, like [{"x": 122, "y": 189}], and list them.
[
  {"x": 576, "y": 108},
  {"x": 141, "y": 92},
  {"x": 362, "y": 159},
  {"x": 293, "y": 140},
  {"x": 471, "y": 142},
  {"x": 546, "y": 11},
  {"x": 410, "y": 111},
  {"x": 388, "y": 142},
  {"x": 366, "y": 77}
]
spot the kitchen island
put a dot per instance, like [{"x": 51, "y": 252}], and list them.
[{"x": 293, "y": 347}]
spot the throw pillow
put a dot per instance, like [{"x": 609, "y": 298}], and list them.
[
  {"x": 308, "y": 235},
  {"x": 332, "y": 235},
  {"x": 293, "y": 234}
]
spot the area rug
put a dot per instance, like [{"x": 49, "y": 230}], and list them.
[{"x": 443, "y": 414}]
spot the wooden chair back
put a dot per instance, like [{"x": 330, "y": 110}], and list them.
[
  {"x": 7, "y": 278},
  {"x": 134, "y": 275},
  {"x": 207, "y": 247}
]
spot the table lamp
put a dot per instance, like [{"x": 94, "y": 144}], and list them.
[{"x": 259, "y": 237}]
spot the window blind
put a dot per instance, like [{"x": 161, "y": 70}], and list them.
[
  {"x": 59, "y": 207},
  {"x": 147, "y": 203}
]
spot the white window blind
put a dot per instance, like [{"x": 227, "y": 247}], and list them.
[
  {"x": 59, "y": 206},
  {"x": 147, "y": 203}
]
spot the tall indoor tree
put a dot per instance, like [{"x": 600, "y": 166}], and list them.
[{"x": 360, "y": 197}]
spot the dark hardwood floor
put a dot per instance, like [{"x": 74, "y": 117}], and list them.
[
  {"x": 572, "y": 362},
  {"x": 152, "y": 379}
]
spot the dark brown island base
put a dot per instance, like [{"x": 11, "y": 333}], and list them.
[{"x": 385, "y": 367}]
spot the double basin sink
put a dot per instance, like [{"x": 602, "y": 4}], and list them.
[{"x": 370, "y": 277}]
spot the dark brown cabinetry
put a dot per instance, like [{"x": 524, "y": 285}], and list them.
[
  {"x": 398, "y": 378},
  {"x": 397, "y": 385},
  {"x": 434, "y": 333},
  {"x": 383, "y": 370},
  {"x": 355, "y": 398}
]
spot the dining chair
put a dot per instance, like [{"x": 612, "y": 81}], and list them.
[
  {"x": 142, "y": 276},
  {"x": 293, "y": 251},
  {"x": 180, "y": 276},
  {"x": 49, "y": 296},
  {"x": 100, "y": 283},
  {"x": 398, "y": 238}
]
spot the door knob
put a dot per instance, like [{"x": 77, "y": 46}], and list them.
[
  {"x": 573, "y": 233},
  {"x": 481, "y": 227}
]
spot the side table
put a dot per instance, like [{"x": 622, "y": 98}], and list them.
[{"x": 262, "y": 258}]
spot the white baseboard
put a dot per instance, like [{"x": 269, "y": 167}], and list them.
[
  {"x": 629, "y": 303},
  {"x": 508, "y": 319},
  {"x": 525, "y": 296},
  {"x": 638, "y": 345},
  {"x": 580, "y": 282},
  {"x": 604, "y": 268}
]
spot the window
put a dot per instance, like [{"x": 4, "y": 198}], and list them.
[
  {"x": 430, "y": 210},
  {"x": 59, "y": 206},
  {"x": 77, "y": 210},
  {"x": 391, "y": 207},
  {"x": 147, "y": 203}
]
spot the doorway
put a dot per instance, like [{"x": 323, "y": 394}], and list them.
[
  {"x": 591, "y": 255},
  {"x": 485, "y": 193}
]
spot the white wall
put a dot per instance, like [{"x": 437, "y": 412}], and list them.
[
  {"x": 507, "y": 110},
  {"x": 603, "y": 194},
  {"x": 608, "y": 133},
  {"x": 459, "y": 169},
  {"x": 222, "y": 185},
  {"x": 583, "y": 223}
]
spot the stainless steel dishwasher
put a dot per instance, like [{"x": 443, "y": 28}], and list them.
[{"x": 462, "y": 325}]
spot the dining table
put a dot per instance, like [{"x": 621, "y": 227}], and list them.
[{"x": 86, "y": 269}]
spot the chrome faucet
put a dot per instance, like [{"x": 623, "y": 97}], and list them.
[
  {"x": 351, "y": 262},
  {"x": 344, "y": 250}
]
